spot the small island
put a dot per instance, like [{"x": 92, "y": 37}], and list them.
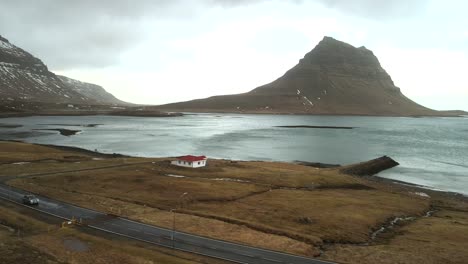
[{"x": 322, "y": 127}]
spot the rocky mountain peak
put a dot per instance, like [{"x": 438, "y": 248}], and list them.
[
  {"x": 330, "y": 51},
  {"x": 4, "y": 39}
]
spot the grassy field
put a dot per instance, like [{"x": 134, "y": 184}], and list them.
[
  {"x": 355, "y": 214},
  {"x": 27, "y": 239},
  {"x": 437, "y": 239},
  {"x": 274, "y": 205}
]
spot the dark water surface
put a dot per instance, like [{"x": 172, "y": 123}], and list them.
[{"x": 432, "y": 151}]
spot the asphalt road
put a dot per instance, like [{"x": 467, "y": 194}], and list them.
[{"x": 157, "y": 235}]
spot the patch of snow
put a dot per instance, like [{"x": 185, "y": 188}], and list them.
[
  {"x": 6, "y": 64},
  {"x": 228, "y": 179},
  {"x": 298, "y": 92},
  {"x": 20, "y": 163},
  {"x": 6, "y": 45},
  {"x": 325, "y": 92},
  {"x": 422, "y": 194},
  {"x": 307, "y": 99},
  {"x": 175, "y": 176}
]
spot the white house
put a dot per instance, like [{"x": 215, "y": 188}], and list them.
[{"x": 190, "y": 161}]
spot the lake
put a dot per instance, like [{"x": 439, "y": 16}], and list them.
[{"x": 432, "y": 151}]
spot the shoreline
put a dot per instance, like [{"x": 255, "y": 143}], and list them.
[
  {"x": 212, "y": 111},
  {"x": 92, "y": 113},
  {"x": 375, "y": 178},
  {"x": 184, "y": 113}
]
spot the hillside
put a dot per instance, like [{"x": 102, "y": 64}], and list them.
[
  {"x": 90, "y": 90},
  {"x": 27, "y": 84},
  {"x": 333, "y": 78}
]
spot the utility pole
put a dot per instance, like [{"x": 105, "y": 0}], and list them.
[
  {"x": 173, "y": 219},
  {"x": 173, "y": 227}
]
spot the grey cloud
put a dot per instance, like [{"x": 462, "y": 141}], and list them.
[
  {"x": 74, "y": 34},
  {"x": 93, "y": 33},
  {"x": 364, "y": 8},
  {"x": 233, "y": 3},
  {"x": 378, "y": 8}
]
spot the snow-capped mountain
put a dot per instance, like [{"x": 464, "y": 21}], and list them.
[{"x": 25, "y": 79}]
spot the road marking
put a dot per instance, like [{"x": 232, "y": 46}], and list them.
[
  {"x": 274, "y": 260},
  {"x": 133, "y": 229},
  {"x": 164, "y": 245},
  {"x": 152, "y": 234}
]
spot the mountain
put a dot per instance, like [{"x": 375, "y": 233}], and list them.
[
  {"x": 90, "y": 90},
  {"x": 26, "y": 82},
  {"x": 333, "y": 78}
]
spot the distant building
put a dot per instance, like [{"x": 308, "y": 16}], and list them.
[{"x": 190, "y": 161}]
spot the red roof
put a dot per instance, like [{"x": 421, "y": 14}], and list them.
[{"x": 191, "y": 158}]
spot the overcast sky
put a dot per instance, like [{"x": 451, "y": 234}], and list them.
[{"x": 161, "y": 51}]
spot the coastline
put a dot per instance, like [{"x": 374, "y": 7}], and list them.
[
  {"x": 260, "y": 112},
  {"x": 91, "y": 113},
  {"x": 177, "y": 113},
  {"x": 375, "y": 177}
]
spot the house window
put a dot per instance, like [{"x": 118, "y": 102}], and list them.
[
  {"x": 198, "y": 163},
  {"x": 190, "y": 163}
]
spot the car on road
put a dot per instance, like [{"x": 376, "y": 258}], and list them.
[{"x": 30, "y": 200}]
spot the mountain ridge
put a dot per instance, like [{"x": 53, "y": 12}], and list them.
[{"x": 91, "y": 90}]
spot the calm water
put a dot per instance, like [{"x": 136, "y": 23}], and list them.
[{"x": 432, "y": 151}]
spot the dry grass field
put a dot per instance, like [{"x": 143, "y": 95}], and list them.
[
  {"x": 441, "y": 238},
  {"x": 27, "y": 239},
  {"x": 280, "y": 206}
]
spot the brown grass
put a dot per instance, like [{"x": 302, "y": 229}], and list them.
[
  {"x": 15, "y": 151},
  {"x": 355, "y": 212},
  {"x": 40, "y": 242},
  {"x": 438, "y": 239},
  {"x": 281, "y": 206},
  {"x": 185, "y": 222}
]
